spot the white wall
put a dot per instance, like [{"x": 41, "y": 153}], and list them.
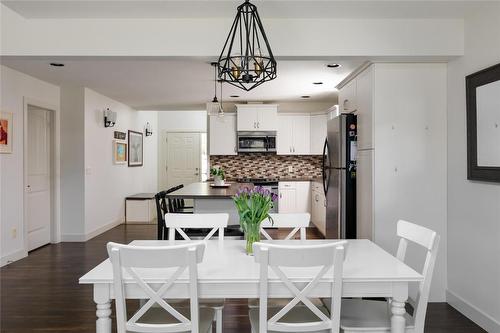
[
  {"x": 72, "y": 163},
  {"x": 410, "y": 157},
  {"x": 16, "y": 86},
  {"x": 107, "y": 184},
  {"x": 205, "y": 37},
  {"x": 473, "y": 207}
]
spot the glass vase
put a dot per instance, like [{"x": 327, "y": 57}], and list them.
[{"x": 252, "y": 235}]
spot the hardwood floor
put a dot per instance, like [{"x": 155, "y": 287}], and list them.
[{"x": 41, "y": 292}]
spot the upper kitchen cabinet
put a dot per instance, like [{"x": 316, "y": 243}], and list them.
[
  {"x": 222, "y": 135},
  {"x": 257, "y": 117},
  {"x": 364, "y": 112},
  {"x": 348, "y": 97},
  {"x": 294, "y": 135},
  {"x": 318, "y": 133}
]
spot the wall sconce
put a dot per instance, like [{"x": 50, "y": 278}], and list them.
[
  {"x": 148, "y": 131},
  {"x": 109, "y": 118}
]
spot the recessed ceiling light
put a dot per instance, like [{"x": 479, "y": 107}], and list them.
[
  {"x": 317, "y": 83},
  {"x": 333, "y": 65},
  {"x": 56, "y": 64},
  {"x": 305, "y": 96},
  {"x": 234, "y": 96}
]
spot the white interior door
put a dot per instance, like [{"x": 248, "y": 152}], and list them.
[
  {"x": 38, "y": 187},
  {"x": 183, "y": 158}
]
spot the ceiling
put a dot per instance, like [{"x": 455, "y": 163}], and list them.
[
  {"x": 184, "y": 84},
  {"x": 226, "y": 8}
]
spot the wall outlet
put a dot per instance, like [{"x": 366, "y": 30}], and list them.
[
  {"x": 290, "y": 168},
  {"x": 13, "y": 233}
]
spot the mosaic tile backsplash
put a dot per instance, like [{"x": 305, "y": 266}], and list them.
[{"x": 269, "y": 166}]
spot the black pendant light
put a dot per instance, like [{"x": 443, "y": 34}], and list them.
[{"x": 246, "y": 61}]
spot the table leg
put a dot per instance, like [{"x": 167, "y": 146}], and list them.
[
  {"x": 103, "y": 306},
  {"x": 400, "y": 295}
]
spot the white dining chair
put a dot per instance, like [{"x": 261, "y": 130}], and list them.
[
  {"x": 176, "y": 222},
  {"x": 360, "y": 315},
  {"x": 327, "y": 259},
  {"x": 298, "y": 221},
  {"x": 128, "y": 260},
  {"x": 217, "y": 222}
]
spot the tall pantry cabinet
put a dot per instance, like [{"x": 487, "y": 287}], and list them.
[{"x": 401, "y": 158}]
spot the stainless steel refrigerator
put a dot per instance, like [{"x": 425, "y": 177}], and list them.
[{"x": 339, "y": 176}]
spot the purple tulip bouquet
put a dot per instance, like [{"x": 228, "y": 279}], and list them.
[{"x": 253, "y": 207}]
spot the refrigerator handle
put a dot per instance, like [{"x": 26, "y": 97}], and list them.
[{"x": 326, "y": 179}]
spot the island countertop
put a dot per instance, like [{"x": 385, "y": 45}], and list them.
[{"x": 203, "y": 190}]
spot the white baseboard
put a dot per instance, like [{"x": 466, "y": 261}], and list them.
[
  {"x": 472, "y": 312},
  {"x": 104, "y": 228},
  {"x": 11, "y": 257},
  {"x": 89, "y": 235}
]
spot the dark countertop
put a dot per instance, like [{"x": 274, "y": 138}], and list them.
[
  {"x": 141, "y": 196},
  {"x": 203, "y": 190}
]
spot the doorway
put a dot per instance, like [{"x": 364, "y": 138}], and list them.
[
  {"x": 39, "y": 148},
  {"x": 182, "y": 157}
]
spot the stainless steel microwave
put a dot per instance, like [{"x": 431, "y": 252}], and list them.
[{"x": 257, "y": 142}]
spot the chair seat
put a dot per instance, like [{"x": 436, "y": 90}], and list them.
[
  {"x": 299, "y": 314},
  {"x": 156, "y": 315},
  {"x": 358, "y": 315}
]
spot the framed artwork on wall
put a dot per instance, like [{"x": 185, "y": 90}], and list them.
[
  {"x": 6, "y": 133},
  {"x": 483, "y": 125},
  {"x": 119, "y": 152},
  {"x": 135, "y": 149}
]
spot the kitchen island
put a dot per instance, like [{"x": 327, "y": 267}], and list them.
[{"x": 208, "y": 199}]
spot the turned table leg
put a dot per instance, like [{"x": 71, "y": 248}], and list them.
[
  {"x": 103, "y": 306},
  {"x": 400, "y": 295}
]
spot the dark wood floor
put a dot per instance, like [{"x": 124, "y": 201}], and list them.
[{"x": 41, "y": 293}]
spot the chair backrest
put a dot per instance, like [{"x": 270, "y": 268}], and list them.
[
  {"x": 161, "y": 210},
  {"x": 175, "y": 222},
  {"x": 324, "y": 256},
  {"x": 297, "y": 221},
  {"x": 126, "y": 259},
  {"x": 429, "y": 240}
]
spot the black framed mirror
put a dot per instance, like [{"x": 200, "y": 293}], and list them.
[{"x": 483, "y": 124}]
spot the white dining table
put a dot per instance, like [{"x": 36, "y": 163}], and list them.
[{"x": 228, "y": 272}]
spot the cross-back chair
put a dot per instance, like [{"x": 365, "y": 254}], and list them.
[
  {"x": 298, "y": 221},
  {"x": 293, "y": 317},
  {"x": 359, "y": 315},
  {"x": 217, "y": 223},
  {"x": 128, "y": 260}
]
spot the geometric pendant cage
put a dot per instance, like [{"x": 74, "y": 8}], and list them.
[{"x": 246, "y": 60}]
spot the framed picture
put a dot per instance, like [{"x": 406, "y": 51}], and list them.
[
  {"x": 483, "y": 125},
  {"x": 119, "y": 152},
  {"x": 6, "y": 132},
  {"x": 135, "y": 149}
]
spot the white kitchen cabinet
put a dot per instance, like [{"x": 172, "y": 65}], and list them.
[
  {"x": 294, "y": 197},
  {"x": 364, "y": 110},
  {"x": 318, "y": 133},
  {"x": 348, "y": 97},
  {"x": 364, "y": 194},
  {"x": 222, "y": 135},
  {"x": 401, "y": 158},
  {"x": 257, "y": 117},
  {"x": 318, "y": 207},
  {"x": 294, "y": 135}
]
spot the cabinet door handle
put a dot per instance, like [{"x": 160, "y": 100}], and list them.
[
  {"x": 254, "y": 125},
  {"x": 294, "y": 149},
  {"x": 258, "y": 124}
]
